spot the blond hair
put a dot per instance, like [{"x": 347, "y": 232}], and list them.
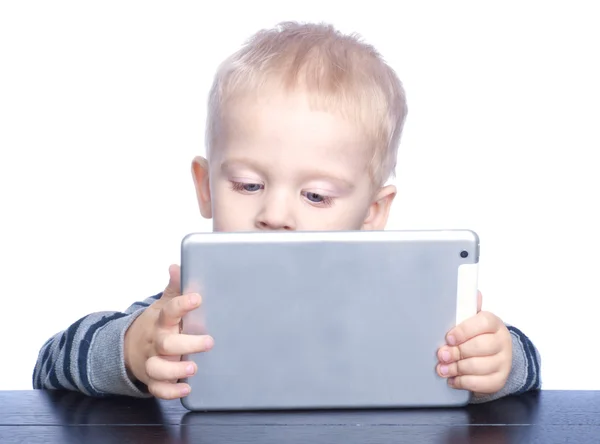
[{"x": 339, "y": 72}]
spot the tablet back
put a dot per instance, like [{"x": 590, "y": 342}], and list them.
[{"x": 326, "y": 319}]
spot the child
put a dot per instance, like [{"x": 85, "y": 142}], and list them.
[{"x": 302, "y": 133}]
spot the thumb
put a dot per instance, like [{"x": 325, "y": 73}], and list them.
[
  {"x": 479, "y": 301},
  {"x": 173, "y": 288}
]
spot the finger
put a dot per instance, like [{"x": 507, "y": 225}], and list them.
[
  {"x": 161, "y": 369},
  {"x": 483, "y": 322},
  {"x": 479, "y": 301},
  {"x": 472, "y": 366},
  {"x": 477, "y": 383},
  {"x": 171, "y": 313},
  {"x": 447, "y": 355},
  {"x": 176, "y": 344},
  {"x": 168, "y": 390},
  {"x": 173, "y": 288},
  {"x": 480, "y": 346}
]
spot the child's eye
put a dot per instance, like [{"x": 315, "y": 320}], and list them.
[
  {"x": 318, "y": 199},
  {"x": 246, "y": 187},
  {"x": 314, "y": 197},
  {"x": 252, "y": 187}
]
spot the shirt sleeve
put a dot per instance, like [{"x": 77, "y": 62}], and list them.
[{"x": 88, "y": 356}]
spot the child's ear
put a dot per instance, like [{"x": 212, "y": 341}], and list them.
[
  {"x": 380, "y": 209},
  {"x": 202, "y": 185}
]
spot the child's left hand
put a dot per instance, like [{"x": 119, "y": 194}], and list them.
[{"x": 478, "y": 356}]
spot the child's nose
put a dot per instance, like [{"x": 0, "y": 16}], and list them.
[{"x": 276, "y": 214}]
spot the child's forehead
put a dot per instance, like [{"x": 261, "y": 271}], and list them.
[
  {"x": 286, "y": 133},
  {"x": 291, "y": 117}
]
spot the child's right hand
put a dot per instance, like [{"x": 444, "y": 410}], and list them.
[{"x": 154, "y": 344}]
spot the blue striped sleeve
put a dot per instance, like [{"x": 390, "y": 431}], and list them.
[
  {"x": 531, "y": 358},
  {"x": 88, "y": 356}
]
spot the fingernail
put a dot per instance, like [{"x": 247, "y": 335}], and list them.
[
  {"x": 450, "y": 381},
  {"x": 190, "y": 370},
  {"x": 194, "y": 300},
  {"x": 208, "y": 342},
  {"x": 451, "y": 340},
  {"x": 445, "y": 355},
  {"x": 185, "y": 391},
  {"x": 444, "y": 369}
]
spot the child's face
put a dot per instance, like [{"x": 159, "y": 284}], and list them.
[{"x": 282, "y": 166}]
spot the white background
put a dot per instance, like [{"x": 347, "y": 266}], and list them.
[{"x": 102, "y": 108}]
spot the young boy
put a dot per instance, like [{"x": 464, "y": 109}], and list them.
[{"x": 302, "y": 133}]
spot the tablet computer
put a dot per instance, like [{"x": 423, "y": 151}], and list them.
[{"x": 334, "y": 320}]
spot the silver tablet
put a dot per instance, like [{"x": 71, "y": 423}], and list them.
[{"x": 313, "y": 320}]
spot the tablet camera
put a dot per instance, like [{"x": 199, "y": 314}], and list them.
[{"x": 464, "y": 254}]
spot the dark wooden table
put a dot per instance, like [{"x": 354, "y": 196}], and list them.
[{"x": 62, "y": 417}]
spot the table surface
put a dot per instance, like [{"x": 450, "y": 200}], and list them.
[{"x": 38, "y": 416}]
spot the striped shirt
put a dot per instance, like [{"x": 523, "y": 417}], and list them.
[{"x": 88, "y": 357}]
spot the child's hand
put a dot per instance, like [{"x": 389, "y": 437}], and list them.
[
  {"x": 478, "y": 356},
  {"x": 154, "y": 345}
]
